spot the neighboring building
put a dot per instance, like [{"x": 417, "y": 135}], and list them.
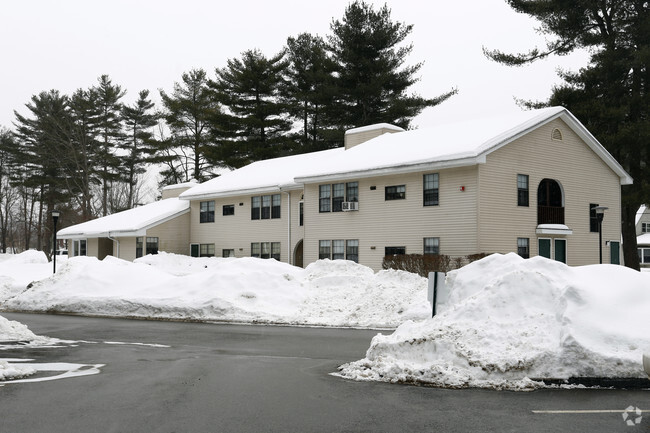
[
  {"x": 522, "y": 183},
  {"x": 161, "y": 225},
  {"x": 643, "y": 236}
]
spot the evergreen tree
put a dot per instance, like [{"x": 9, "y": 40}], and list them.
[
  {"x": 255, "y": 124},
  {"x": 188, "y": 111},
  {"x": 368, "y": 49},
  {"x": 108, "y": 99},
  {"x": 42, "y": 141},
  {"x": 139, "y": 120},
  {"x": 311, "y": 91},
  {"x": 610, "y": 95}
]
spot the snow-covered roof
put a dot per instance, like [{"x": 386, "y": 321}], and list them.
[
  {"x": 132, "y": 222},
  {"x": 374, "y": 128},
  {"x": 643, "y": 239},
  {"x": 189, "y": 184},
  {"x": 447, "y": 145},
  {"x": 262, "y": 176}
]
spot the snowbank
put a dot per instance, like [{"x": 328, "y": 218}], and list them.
[
  {"x": 329, "y": 293},
  {"x": 18, "y": 270},
  {"x": 510, "y": 320}
]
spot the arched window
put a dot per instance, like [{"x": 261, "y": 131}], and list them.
[{"x": 550, "y": 202}]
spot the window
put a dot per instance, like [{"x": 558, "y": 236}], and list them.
[
  {"x": 206, "y": 250},
  {"x": 338, "y": 196},
  {"x": 228, "y": 209},
  {"x": 266, "y": 207},
  {"x": 394, "y": 251},
  {"x": 265, "y": 250},
  {"x": 302, "y": 214},
  {"x": 396, "y": 192},
  {"x": 255, "y": 208},
  {"x": 352, "y": 250},
  {"x": 228, "y": 253},
  {"x": 593, "y": 218},
  {"x": 206, "y": 214},
  {"x": 324, "y": 249},
  {"x": 523, "y": 247},
  {"x": 644, "y": 256},
  {"x": 276, "y": 205},
  {"x": 138, "y": 247},
  {"x": 645, "y": 227},
  {"x": 431, "y": 194},
  {"x": 338, "y": 250},
  {"x": 352, "y": 191},
  {"x": 324, "y": 198},
  {"x": 431, "y": 246},
  {"x": 152, "y": 245},
  {"x": 331, "y": 197},
  {"x": 522, "y": 190},
  {"x": 79, "y": 247},
  {"x": 275, "y": 250}
]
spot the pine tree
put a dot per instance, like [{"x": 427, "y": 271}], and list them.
[
  {"x": 108, "y": 99},
  {"x": 310, "y": 92},
  {"x": 188, "y": 111},
  {"x": 373, "y": 81},
  {"x": 610, "y": 95},
  {"x": 255, "y": 124},
  {"x": 139, "y": 120}
]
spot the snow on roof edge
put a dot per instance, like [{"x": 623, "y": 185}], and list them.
[{"x": 374, "y": 127}]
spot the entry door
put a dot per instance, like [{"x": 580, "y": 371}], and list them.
[
  {"x": 194, "y": 250},
  {"x": 615, "y": 253},
  {"x": 544, "y": 247},
  {"x": 560, "y": 250}
]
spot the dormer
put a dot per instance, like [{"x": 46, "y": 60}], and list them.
[
  {"x": 171, "y": 191},
  {"x": 362, "y": 134}
]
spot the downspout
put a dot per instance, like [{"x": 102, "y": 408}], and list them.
[
  {"x": 289, "y": 251},
  {"x": 116, "y": 241}
]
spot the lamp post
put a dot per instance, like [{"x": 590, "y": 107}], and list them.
[
  {"x": 600, "y": 214},
  {"x": 55, "y": 218}
]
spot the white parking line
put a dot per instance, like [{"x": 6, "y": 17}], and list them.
[{"x": 586, "y": 411}]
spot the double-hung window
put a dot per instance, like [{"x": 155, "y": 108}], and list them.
[
  {"x": 523, "y": 247},
  {"x": 324, "y": 249},
  {"x": 431, "y": 246},
  {"x": 139, "y": 244},
  {"x": 645, "y": 227},
  {"x": 206, "y": 213},
  {"x": 644, "y": 256},
  {"x": 228, "y": 209},
  {"x": 265, "y": 250},
  {"x": 593, "y": 218},
  {"x": 338, "y": 197},
  {"x": 395, "y": 192},
  {"x": 324, "y": 198},
  {"x": 266, "y": 207},
  {"x": 152, "y": 245},
  {"x": 522, "y": 190},
  {"x": 339, "y": 249},
  {"x": 352, "y": 250},
  {"x": 206, "y": 250},
  {"x": 431, "y": 189}
]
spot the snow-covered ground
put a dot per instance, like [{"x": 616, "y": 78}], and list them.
[{"x": 506, "y": 321}]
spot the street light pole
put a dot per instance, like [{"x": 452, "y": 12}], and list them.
[
  {"x": 600, "y": 213},
  {"x": 55, "y": 218}
]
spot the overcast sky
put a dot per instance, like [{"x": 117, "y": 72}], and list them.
[{"x": 148, "y": 44}]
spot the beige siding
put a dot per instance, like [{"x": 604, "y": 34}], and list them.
[
  {"x": 127, "y": 248},
  {"x": 173, "y": 235},
  {"x": 583, "y": 176},
  {"x": 92, "y": 247},
  {"x": 238, "y": 231},
  {"x": 379, "y": 223}
]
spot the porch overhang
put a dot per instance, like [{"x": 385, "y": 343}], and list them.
[{"x": 553, "y": 229}]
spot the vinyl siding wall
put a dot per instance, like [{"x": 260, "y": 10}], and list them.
[
  {"x": 238, "y": 231},
  {"x": 379, "y": 223},
  {"x": 173, "y": 235},
  {"x": 584, "y": 179}
]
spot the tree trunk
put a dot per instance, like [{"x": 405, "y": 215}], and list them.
[{"x": 630, "y": 254}]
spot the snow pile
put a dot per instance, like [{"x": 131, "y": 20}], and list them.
[
  {"x": 10, "y": 333},
  {"x": 510, "y": 320},
  {"x": 18, "y": 270},
  {"x": 330, "y": 293}
]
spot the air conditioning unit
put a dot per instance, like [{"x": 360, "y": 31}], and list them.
[{"x": 348, "y": 206}]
